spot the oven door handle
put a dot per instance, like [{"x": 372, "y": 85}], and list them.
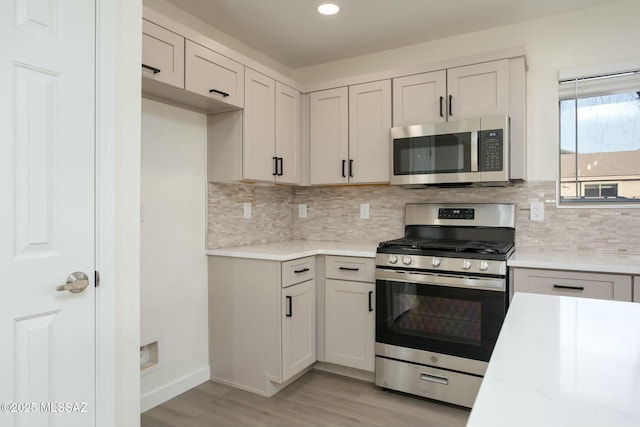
[{"x": 442, "y": 280}]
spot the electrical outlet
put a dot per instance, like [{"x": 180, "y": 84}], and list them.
[
  {"x": 537, "y": 211},
  {"x": 247, "y": 210},
  {"x": 302, "y": 210},
  {"x": 364, "y": 210}
]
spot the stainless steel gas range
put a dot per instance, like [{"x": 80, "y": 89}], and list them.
[{"x": 442, "y": 292}]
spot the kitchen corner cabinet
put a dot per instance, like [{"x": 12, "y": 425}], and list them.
[
  {"x": 212, "y": 75},
  {"x": 271, "y": 130},
  {"x": 262, "y": 327},
  {"x": 458, "y": 93},
  {"x": 162, "y": 55},
  {"x": 350, "y": 312},
  {"x": 573, "y": 283},
  {"x": 349, "y": 134}
]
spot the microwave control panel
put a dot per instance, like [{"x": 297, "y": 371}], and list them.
[{"x": 491, "y": 150}]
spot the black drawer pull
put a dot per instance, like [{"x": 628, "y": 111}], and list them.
[
  {"x": 370, "y": 302},
  {"x": 290, "y": 303},
  {"x": 344, "y": 163},
  {"x": 573, "y": 288},
  {"x": 149, "y": 67},
  {"x": 275, "y": 166},
  {"x": 441, "y": 106},
  {"x": 450, "y": 105},
  {"x": 349, "y": 268},
  {"x": 350, "y": 168},
  {"x": 281, "y": 161},
  {"x": 224, "y": 94},
  {"x": 304, "y": 270}
]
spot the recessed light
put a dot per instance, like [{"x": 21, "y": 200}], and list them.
[{"x": 328, "y": 9}]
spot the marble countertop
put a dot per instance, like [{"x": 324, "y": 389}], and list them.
[
  {"x": 563, "y": 362},
  {"x": 293, "y": 249},
  {"x": 577, "y": 261}
]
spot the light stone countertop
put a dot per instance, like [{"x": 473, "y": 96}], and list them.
[
  {"x": 563, "y": 362},
  {"x": 576, "y": 261},
  {"x": 293, "y": 249}
]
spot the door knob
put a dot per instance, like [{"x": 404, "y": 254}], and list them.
[{"x": 76, "y": 282}]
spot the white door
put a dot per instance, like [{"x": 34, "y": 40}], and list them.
[{"x": 47, "y": 362}]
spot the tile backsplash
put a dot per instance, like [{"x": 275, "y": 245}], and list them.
[{"x": 334, "y": 214}]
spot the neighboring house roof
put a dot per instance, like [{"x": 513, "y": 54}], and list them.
[{"x": 592, "y": 165}]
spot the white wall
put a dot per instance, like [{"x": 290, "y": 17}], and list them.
[
  {"x": 173, "y": 264},
  {"x": 598, "y": 35}
]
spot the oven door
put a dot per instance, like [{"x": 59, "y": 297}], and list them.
[{"x": 458, "y": 316}]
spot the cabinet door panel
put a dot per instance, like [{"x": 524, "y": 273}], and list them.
[
  {"x": 206, "y": 70},
  {"x": 420, "y": 98},
  {"x": 164, "y": 51},
  {"x": 478, "y": 90},
  {"x": 350, "y": 323},
  {"x": 259, "y": 127},
  {"x": 298, "y": 328},
  {"x": 329, "y": 136},
  {"x": 369, "y": 138},
  {"x": 288, "y": 133}
]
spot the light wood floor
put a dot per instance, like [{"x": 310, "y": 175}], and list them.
[{"x": 316, "y": 399}]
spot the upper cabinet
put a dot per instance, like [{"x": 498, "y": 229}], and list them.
[
  {"x": 349, "y": 134},
  {"x": 212, "y": 75},
  {"x": 271, "y": 130},
  {"x": 466, "y": 92},
  {"x": 162, "y": 55}
]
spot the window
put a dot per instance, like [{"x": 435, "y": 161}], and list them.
[{"x": 600, "y": 139}]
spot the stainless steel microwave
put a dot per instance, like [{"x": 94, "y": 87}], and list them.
[{"x": 460, "y": 152}]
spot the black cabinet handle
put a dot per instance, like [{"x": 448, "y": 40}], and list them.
[
  {"x": 281, "y": 160},
  {"x": 350, "y": 168},
  {"x": 344, "y": 163},
  {"x": 573, "y": 288},
  {"x": 370, "y": 302},
  {"x": 149, "y": 67},
  {"x": 349, "y": 268},
  {"x": 290, "y": 303},
  {"x": 304, "y": 270},
  {"x": 450, "y": 105},
  {"x": 441, "y": 106},
  {"x": 224, "y": 94},
  {"x": 275, "y": 166}
]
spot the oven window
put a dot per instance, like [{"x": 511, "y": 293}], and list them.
[{"x": 448, "y": 153}]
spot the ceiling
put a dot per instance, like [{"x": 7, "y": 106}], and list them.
[{"x": 293, "y": 33}]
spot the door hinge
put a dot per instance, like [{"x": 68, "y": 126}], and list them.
[{"x": 97, "y": 278}]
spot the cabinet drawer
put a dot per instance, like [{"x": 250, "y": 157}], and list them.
[
  {"x": 350, "y": 268},
  {"x": 298, "y": 271},
  {"x": 210, "y": 74},
  {"x": 576, "y": 284}
]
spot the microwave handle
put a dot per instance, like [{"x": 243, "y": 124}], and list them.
[{"x": 474, "y": 151}]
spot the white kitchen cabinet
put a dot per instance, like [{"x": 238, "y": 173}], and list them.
[
  {"x": 350, "y": 312},
  {"x": 162, "y": 55},
  {"x": 288, "y": 131},
  {"x": 253, "y": 342},
  {"x": 572, "y": 283},
  {"x": 467, "y": 92},
  {"x": 349, "y": 134},
  {"x": 259, "y": 127},
  {"x": 212, "y": 75}
]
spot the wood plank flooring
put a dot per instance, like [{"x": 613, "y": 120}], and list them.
[{"x": 317, "y": 399}]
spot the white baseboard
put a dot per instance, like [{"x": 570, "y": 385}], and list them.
[{"x": 171, "y": 390}]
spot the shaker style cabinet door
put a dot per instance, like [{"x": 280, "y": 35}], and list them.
[
  {"x": 288, "y": 111},
  {"x": 162, "y": 55},
  {"x": 369, "y": 138},
  {"x": 420, "y": 98},
  {"x": 298, "y": 328},
  {"x": 478, "y": 90},
  {"x": 329, "y": 136},
  {"x": 213, "y": 75},
  {"x": 259, "y": 127}
]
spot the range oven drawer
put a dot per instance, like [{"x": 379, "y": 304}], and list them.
[{"x": 447, "y": 386}]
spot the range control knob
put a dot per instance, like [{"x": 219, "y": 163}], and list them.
[
  {"x": 393, "y": 259},
  {"x": 466, "y": 264},
  {"x": 436, "y": 261},
  {"x": 483, "y": 265},
  {"x": 406, "y": 260}
]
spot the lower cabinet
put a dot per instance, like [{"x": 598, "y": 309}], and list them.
[
  {"x": 350, "y": 312},
  {"x": 262, "y": 321},
  {"x": 573, "y": 283}
]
